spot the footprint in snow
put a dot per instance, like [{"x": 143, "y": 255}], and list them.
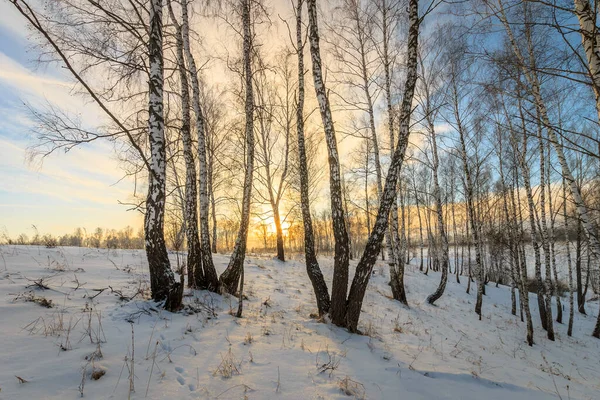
[{"x": 181, "y": 379}]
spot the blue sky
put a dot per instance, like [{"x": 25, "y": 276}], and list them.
[{"x": 67, "y": 190}]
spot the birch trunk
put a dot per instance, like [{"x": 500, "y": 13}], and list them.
[
  {"x": 591, "y": 41},
  {"x": 590, "y": 37},
  {"x": 365, "y": 265},
  {"x": 194, "y": 258},
  {"x": 206, "y": 278},
  {"x": 470, "y": 204},
  {"x": 230, "y": 277},
  {"x": 569, "y": 262},
  {"x": 552, "y": 239},
  {"x": 437, "y": 197},
  {"x": 545, "y": 240},
  {"x": 312, "y": 265},
  {"x": 341, "y": 257},
  {"x": 522, "y": 157},
  {"x": 421, "y": 240},
  {"x": 523, "y": 290},
  {"x": 162, "y": 280},
  {"x": 396, "y": 255}
]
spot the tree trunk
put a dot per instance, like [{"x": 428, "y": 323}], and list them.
[
  {"x": 162, "y": 280},
  {"x": 230, "y": 277},
  {"x": 522, "y": 158},
  {"x": 552, "y": 239},
  {"x": 396, "y": 255},
  {"x": 548, "y": 288},
  {"x": 207, "y": 279},
  {"x": 367, "y": 261},
  {"x": 587, "y": 15},
  {"x": 578, "y": 274},
  {"x": 312, "y": 265},
  {"x": 341, "y": 257},
  {"x": 569, "y": 263},
  {"x": 470, "y": 203},
  {"x": 194, "y": 257},
  {"x": 437, "y": 195}
]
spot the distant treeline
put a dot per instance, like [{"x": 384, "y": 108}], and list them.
[{"x": 100, "y": 238}]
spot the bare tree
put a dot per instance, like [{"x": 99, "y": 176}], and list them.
[
  {"x": 69, "y": 45},
  {"x": 230, "y": 277},
  {"x": 312, "y": 265},
  {"x": 342, "y": 249},
  {"x": 194, "y": 257}
]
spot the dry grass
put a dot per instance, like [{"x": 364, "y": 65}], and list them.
[
  {"x": 330, "y": 364},
  {"x": 31, "y": 297},
  {"x": 352, "y": 388},
  {"x": 229, "y": 366},
  {"x": 248, "y": 339}
]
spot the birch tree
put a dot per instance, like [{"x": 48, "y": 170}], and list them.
[
  {"x": 430, "y": 112},
  {"x": 230, "y": 277},
  {"x": 531, "y": 75},
  {"x": 342, "y": 249},
  {"x": 206, "y": 277},
  {"x": 194, "y": 256},
  {"x": 312, "y": 265},
  {"x": 71, "y": 47}
]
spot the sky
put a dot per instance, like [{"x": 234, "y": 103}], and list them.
[{"x": 79, "y": 188}]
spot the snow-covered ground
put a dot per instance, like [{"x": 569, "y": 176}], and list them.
[{"x": 276, "y": 350}]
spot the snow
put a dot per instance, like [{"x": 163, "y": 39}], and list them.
[{"x": 276, "y": 350}]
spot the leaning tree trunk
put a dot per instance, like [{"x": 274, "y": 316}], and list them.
[
  {"x": 194, "y": 257},
  {"x": 207, "y": 279},
  {"x": 162, "y": 280},
  {"x": 396, "y": 252},
  {"x": 367, "y": 261},
  {"x": 341, "y": 256},
  {"x": 230, "y": 277},
  {"x": 312, "y": 265}
]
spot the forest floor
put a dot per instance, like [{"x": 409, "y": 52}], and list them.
[{"x": 75, "y": 321}]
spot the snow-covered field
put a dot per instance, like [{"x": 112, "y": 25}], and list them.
[{"x": 93, "y": 330}]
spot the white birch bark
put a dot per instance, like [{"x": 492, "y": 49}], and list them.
[
  {"x": 207, "y": 276},
  {"x": 367, "y": 261},
  {"x": 312, "y": 265},
  {"x": 342, "y": 250},
  {"x": 590, "y": 37},
  {"x": 396, "y": 250},
  {"x": 437, "y": 197},
  {"x": 162, "y": 280},
  {"x": 231, "y": 276},
  {"x": 194, "y": 260}
]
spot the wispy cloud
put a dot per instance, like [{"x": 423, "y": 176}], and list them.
[{"x": 69, "y": 189}]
